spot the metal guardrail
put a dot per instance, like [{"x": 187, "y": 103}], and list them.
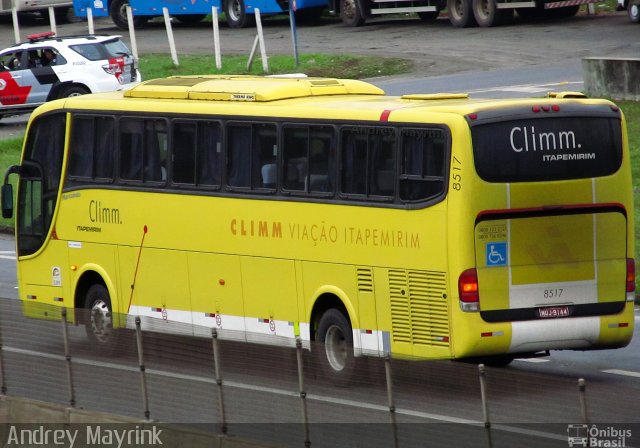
[{"x": 278, "y": 395}]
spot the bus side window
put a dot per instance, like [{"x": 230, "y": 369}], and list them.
[
  {"x": 183, "y": 152},
  {"x": 294, "y": 158},
  {"x": 422, "y": 171},
  {"x": 209, "y": 154},
  {"x": 239, "y": 155},
  {"x": 251, "y": 156},
  {"x": 264, "y": 169},
  {"x": 368, "y": 161},
  {"x": 354, "y": 162},
  {"x": 81, "y": 147},
  {"x": 155, "y": 154},
  {"x": 91, "y": 147},
  {"x": 321, "y": 160},
  {"x": 131, "y": 141}
]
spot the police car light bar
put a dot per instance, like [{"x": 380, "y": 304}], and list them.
[{"x": 38, "y": 36}]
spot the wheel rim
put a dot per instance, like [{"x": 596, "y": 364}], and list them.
[
  {"x": 336, "y": 348},
  {"x": 235, "y": 10},
  {"x": 101, "y": 323},
  {"x": 458, "y": 9},
  {"x": 484, "y": 8},
  {"x": 74, "y": 94},
  {"x": 349, "y": 9},
  {"x": 123, "y": 11},
  {"x": 634, "y": 11}
]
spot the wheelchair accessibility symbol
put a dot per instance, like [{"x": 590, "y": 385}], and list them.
[{"x": 496, "y": 254}]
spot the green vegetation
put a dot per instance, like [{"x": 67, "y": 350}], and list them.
[
  {"x": 9, "y": 155},
  {"x": 335, "y": 66}
]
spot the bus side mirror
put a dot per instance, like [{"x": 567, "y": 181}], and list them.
[{"x": 7, "y": 201}]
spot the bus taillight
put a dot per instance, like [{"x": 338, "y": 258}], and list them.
[
  {"x": 468, "y": 289},
  {"x": 631, "y": 279}
]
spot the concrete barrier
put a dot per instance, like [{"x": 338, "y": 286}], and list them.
[
  {"x": 617, "y": 78},
  {"x": 24, "y": 413}
]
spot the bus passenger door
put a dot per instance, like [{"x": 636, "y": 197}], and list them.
[{"x": 270, "y": 300}]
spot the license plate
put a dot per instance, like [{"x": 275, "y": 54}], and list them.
[{"x": 553, "y": 311}]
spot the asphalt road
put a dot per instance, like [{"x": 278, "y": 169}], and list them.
[{"x": 530, "y": 403}]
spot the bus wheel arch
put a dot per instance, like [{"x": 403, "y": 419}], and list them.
[
  {"x": 332, "y": 329},
  {"x": 93, "y": 298}
]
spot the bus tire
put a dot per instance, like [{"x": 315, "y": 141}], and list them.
[
  {"x": 633, "y": 12},
  {"x": 461, "y": 13},
  {"x": 72, "y": 90},
  {"x": 99, "y": 319},
  {"x": 335, "y": 353},
  {"x": 236, "y": 14},
  {"x": 351, "y": 13},
  {"x": 118, "y": 13}
]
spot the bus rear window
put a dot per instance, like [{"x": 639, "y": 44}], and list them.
[{"x": 547, "y": 149}]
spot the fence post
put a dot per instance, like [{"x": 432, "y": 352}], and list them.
[
  {"x": 172, "y": 42},
  {"x": 90, "y": 20},
  {"x": 143, "y": 376},
  {"x": 67, "y": 357},
  {"x": 582, "y": 385},
  {"x": 263, "y": 51},
  {"x": 303, "y": 394},
  {"x": 16, "y": 25},
  {"x": 483, "y": 394},
  {"x": 132, "y": 34},
  {"x": 216, "y": 37},
  {"x": 390, "y": 401},
  {"x": 218, "y": 371}
]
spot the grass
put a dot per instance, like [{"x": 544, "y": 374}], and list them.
[{"x": 322, "y": 65}]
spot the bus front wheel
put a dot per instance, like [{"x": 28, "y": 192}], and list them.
[
  {"x": 99, "y": 321},
  {"x": 336, "y": 350}
]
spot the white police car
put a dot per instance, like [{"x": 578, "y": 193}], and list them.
[{"x": 49, "y": 67}]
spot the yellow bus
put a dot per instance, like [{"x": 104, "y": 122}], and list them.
[{"x": 421, "y": 226}]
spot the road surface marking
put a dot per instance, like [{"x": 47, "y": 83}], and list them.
[
  {"x": 8, "y": 257},
  {"x": 623, "y": 372}
]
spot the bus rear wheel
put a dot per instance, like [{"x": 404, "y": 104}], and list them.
[
  {"x": 487, "y": 14},
  {"x": 236, "y": 14},
  {"x": 351, "y": 13},
  {"x": 118, "y": 13},
  {"x": 99, "y": 319},
  {"x": 336, "y": 350}
]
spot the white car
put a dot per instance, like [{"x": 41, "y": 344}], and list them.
[{"x": 49, "y": 67}]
